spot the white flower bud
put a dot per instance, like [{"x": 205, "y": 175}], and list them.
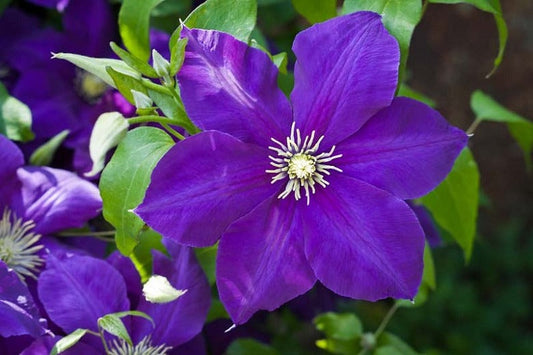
[
  {"x": 161, "y": 66},
  {"x": 159, "y": 290}
]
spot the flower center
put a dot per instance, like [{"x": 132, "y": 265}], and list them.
[
  {"x": 17, "y": 245},
  {"x": 144, "y": 347},
  {"x": 298, "y": 160},
  {"x": 90, "y": 87}
]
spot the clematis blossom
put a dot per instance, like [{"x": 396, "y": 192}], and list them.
[{"x": 306, "y": 190}]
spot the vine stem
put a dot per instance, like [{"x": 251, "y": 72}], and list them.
[
  {"x": 172, "y": 131},
  {"x": 386, "y": 320},
  {"x": 150, "y": 118},
  {"x": 473, "y": 126}
]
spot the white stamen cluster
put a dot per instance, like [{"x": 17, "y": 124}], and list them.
[
  {"x": 17, "y": 245},
  {"x": 144, "y": 347},
  {"x": 297, "y": 160}
]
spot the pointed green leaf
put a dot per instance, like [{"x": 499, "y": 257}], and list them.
[
  {"x": 109, "y": 129},
  {"x": 125, "y": 83},
  {"x": 177, "y": 55},
  {"x": 225, "y": 15},
  {"x": 15, "y": 117},
  {"x": 493, "y": 7},
  {"x": 454, "y": 203},
  {"x": 114, "y": 325},
  {"x": 316, "y": 10},
  {"x": 134, "y": 23},
  {"x": 344, "y": 326},
  {"x": 487, "y": 109},
  {"x": 124, "y": 181},
  {"x": 134, "y": 62},
  {"x": 45, "y": 153},
  {"x": 207, "y": 259},
  {"x": 407, "y": 91},
  {"x": 141, "y": 256},
  {"x": 400, "y": 17},
  {"x": 97, "y": 66},
  {"x": 68, "y": 341}
]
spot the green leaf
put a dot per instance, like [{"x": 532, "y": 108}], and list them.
[
  {"x": 407, "y": 91},
  {"x": 133, "y": 25},
  {"x": 400, "y": 17},
  {"x": 134, "y": 314},
  {"x": 15, "y": 117},
  {"x": 114, "y": 325},
  {"x": 3, "y": 5},
  {"x": 316, "y": 10},
  {"x": 110, "y": 128},
  {"x": 247, "y": 346},
  {"x": 428, "y": 281},
  {"x": 125, "y": 83},
  {"x": 68, "y": 341},
  {"x": 391, "y": 344},
  {"x": 225, "y": 15},
  {"x": 173, "y": 110},
  {"x": 134, "y": 62},
  {"x": 141, "y": 256},
  {"x": 45, "y": 153},
  {"x": 97, "y": 66},
  {"x": 493, "y": 7},
  {"x": 487, "y": 109},
  {"x": 177, "y": 55},
  {"x": 207, "y": 259},
  {"x": 344, "y": 326},
  {"x": 124, "y": 181},
  {"x": 454, "y": 203}
]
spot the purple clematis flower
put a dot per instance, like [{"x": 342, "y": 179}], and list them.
[
  {"x": 313, "y": 190},
  {"x": 34, "y": 203},
  {"x": 77, "y": 290}
]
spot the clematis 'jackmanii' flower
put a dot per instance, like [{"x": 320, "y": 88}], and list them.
[{"x": 312, "y": 191}]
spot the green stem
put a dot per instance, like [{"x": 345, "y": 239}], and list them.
[
  {"x": 173, "y": 131},
  {"x": 473, "y": 126},
  {"x": 87, "y": 234},
  {"x": 150, "y": 118},
  {"x": 424, "y": 8},
  {"x": 386, "y": 320},
  {"x": 103, "y": 339},
  {"x": 152, "y": 86}
]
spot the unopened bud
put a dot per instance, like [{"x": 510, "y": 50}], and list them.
[
  {"x": 162, "y": 67},
  {"x": 159, "y": 290},
  {"x": 141, "y": 100}
]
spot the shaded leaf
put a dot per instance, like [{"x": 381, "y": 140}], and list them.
[
  {"x": 316, "y": 10},
  {"x": 114, "y": 325},
  {"x": 125, "y": 83},
  {"x": 134, "y": 62},
  {"x": 124, "y": 181},
  {"x": 407, "y": 91},
  {"x": 45, "y": 153},
  {"x": 173, "y": 110},
  {"x": 388, "y": 344},
  {"x": 454, "y": 203},
  {"x": 207, "y": 259},
  {"x": 247, "y": 346}
]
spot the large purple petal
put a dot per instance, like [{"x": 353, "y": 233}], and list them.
[
  {"x": 407, "y": 149},
  {"x": 202, "y": 185},
  {"x": 56, "y": 199},
  {"x": 363, "y": 242},
  {"x": 230, "y": 87},
  {"x": 261, "y": 262},
  {"x": 44, "y": 345},
  {"x": 126, "y": 268},
  {"x": 346, "y": 70},
  {"x": 178, "y": 321},
  {"x": 10, "y": 160},
  {"x": 18, "y": 311},
  {"x": 77, "y": 290}
]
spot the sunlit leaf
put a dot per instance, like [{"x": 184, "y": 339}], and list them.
[
  {"x": 134, "y": 62},
  {"x": 400, "y": 17},
  {"x": 487, "y": 109},
  {"x": 134, "y": 23},
  {"x": 15, "y": 117},
  {"x": 124, "y": 181},
  {"x": 125, "y": 83},
  {"x": 494, "y": 7},
  {"x": 114, "y": 325}
]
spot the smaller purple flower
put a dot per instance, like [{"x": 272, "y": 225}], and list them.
[
  {"x": 307, "y": 190},
  {"x": 77, "y": 290}
]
